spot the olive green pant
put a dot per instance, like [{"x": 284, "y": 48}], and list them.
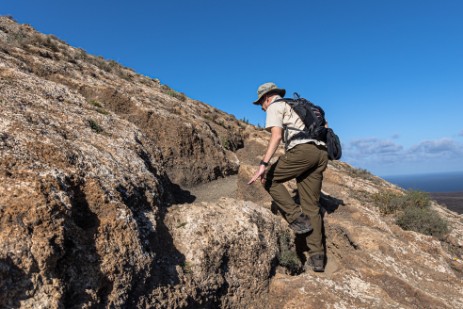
[{"x": 306, "y": 163}]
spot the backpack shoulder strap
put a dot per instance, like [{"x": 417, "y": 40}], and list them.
[{"x": 286, "y": 128}]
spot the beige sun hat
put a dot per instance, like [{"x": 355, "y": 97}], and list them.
[{"x": 266, "y": 88}]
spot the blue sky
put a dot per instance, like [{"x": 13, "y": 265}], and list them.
[{"x": 389, "y": 73}]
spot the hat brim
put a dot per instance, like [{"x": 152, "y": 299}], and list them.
[{"x": 281, "y": 92}]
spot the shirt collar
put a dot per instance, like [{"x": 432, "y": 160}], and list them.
[{"x": 277, "y": 97}]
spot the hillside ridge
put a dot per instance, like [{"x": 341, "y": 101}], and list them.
[{"x": 118, "y": 191}]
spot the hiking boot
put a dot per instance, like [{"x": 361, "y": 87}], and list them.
[
  {"x": 301, "y": 225},
  {"x": 316, "y": 262}
]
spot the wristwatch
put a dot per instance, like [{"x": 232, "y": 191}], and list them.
[{"x": 263, "y": 163}]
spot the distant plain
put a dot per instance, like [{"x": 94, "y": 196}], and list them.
[
  {"x": 453, "y": 200},
  {"x": 445, "y": 188}
]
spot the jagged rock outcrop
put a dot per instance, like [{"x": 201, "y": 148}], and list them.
[
  {"x": 91, "y": 157},
  {"x": 79, "y": 204},
  {"x": 96, "y": 209},
  {"x": 230, "y": 249}
]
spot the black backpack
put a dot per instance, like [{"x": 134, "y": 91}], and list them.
[
  {"x": 313, "y": 117},
  {"x": 333, "y": 144}
]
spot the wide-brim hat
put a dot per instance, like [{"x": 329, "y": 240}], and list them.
[{"x": 266, "y": 88}]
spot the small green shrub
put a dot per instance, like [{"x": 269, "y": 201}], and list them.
[
  {"x": 225, "y": 143},
  {"x": 181, "y": 96},
  {"x": 99, "y": 108},
  {"x": 209, "y": 117},
  {"x": 95, "y": 126},
  {"x": 290, "y": 261},
  {"x": 182, "y": 224},
  {"x": 423, "y": 220},
  {"x": 80, "y": 54},
  {"x": 19, "y": 38},
  {"x": 413, "y": 212},
  {"x": 387, "y": 202},
  {"x": 178, "y": 95},
  {"x": 113, "y": 64},
  {"x": 360, "y": 173},
  {"x": 287, "y": 257},
  {"x": 187, "y": 267},
  {"x": 95, "y": 103},
  {"x": 51, "y": 43},
  {"x": 245, "y": 120},
  {"x": 417, "y": 199},
  {"x": 102, "y": 111}
]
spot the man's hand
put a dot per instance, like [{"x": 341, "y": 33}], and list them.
[{"x": 259, "y": 174}]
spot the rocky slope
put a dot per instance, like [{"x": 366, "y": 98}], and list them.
[
  {"x": 99, "y": 203},
  {"x": 372, "y": 262}
]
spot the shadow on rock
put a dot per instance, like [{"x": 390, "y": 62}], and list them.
[
  {"x": 80, "y": 267},
  {"x": 326, "y": 202},
  {"x": 329, "y": 203},
  {"x": 15, "y": 284},
  {"x": 157, "y": 242},
  {"x": 181, "y": 196},
  {"x": 176, "y": 194}
]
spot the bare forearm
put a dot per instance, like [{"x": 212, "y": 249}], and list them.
[
  {"x": 271, "y": 148},
  {"x": 275, "y": 140},
  {"x": 273, "y": 144}
]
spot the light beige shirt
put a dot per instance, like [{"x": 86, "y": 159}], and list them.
[{"x": 280, "y": 114}]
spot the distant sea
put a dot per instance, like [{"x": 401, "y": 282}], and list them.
[
  {"x": 442, "y": 182},
  {"x": 445, "y": 188}
]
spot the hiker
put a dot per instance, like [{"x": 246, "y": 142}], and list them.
[{"x": 305, "y": 160}]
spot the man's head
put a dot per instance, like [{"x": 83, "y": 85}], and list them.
[{"x": 266, "y": 90}]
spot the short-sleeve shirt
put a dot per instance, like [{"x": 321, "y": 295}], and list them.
[{"x": 280, "y": 114}]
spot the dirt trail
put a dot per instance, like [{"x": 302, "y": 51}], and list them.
[{"x": 214, "y": 190}]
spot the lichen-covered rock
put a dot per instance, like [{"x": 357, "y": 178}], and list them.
[
  {"x": 79, "y": 199},
  {"x": 230, "y": 251}
]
